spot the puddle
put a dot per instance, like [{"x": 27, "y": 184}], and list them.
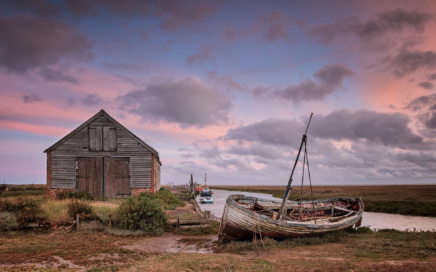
[{"x": 170, "y": 242}]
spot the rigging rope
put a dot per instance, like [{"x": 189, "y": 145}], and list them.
[
  {"x": 306, "y": 155},
  {"x": 306, "y": 162}
]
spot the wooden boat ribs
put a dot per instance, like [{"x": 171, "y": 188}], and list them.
[{"x": 243, "y": 214}]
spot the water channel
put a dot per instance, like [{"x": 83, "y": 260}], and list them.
[{"x": 375, "y": 221}]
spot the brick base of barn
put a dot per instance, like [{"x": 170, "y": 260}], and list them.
[
  {"x": 52, "y": 193},
  {"x": 137, "y": 191}
]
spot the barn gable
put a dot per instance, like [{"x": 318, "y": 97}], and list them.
[{"x": 104, "y": 158}]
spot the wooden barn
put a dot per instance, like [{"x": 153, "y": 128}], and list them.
[{"x": 104, "y": 158}]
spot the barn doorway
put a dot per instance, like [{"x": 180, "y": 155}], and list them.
[{"x": 109, "y": 177}]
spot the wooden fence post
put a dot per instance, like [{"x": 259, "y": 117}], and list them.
[
  {"x": 77, "y": 221},
  {"x": 178, "y": 220}
]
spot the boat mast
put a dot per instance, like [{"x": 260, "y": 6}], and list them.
[
  {"x": 205, "y": 185},
  {"x": 288, "y": 188}
]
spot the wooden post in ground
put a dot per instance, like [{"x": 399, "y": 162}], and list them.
[
  {"x": 110, "y": 221},
  {"x": 178, "y": 220},
  {"x": 77, "y": 221},
  {"x": 207, "y": 214}
]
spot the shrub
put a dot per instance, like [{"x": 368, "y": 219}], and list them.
[
  {"x": 169, "y": 198},
  {"x": 365, "y": 230},
  {"x": 79, "y": 195},
  {"x": 8, "y": 221},
  {"x": 80, "y": 207},
  {"x": 25, "y": 211},
  {"x": 141, "y": 212}
]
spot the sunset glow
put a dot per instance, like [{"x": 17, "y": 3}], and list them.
[{"x": 226, "y": 87}]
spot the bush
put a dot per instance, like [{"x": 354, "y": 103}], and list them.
[
  {"x": 141, "y": 212},
  {"x": 8, "y": 221},
  {"x": 79, "y": 195},
  {"x": 169, "y": 198},
  {"x": 80, "y": 207},
  {"x": 25, "y": 211}
]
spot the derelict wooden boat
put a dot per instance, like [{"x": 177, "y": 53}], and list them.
[{"x": 246, "y": 216}]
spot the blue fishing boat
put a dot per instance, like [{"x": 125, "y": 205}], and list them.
[{"x": 206, "y": 193}]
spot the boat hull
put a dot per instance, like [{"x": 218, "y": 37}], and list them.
[
  {"x": 243, "y": 222},
  {"x": 208, "y": 200}
]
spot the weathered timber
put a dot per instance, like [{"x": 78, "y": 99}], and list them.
[
  {"x": 242, "y": 219},
  {"x": 103, "y": 152}
]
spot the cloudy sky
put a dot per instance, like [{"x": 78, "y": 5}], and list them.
[{"x": 226, "y": 87}]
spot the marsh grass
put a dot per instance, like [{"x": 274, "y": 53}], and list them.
[
  {"x": 264, "y": 244},
  {"x": 202, "y": 262},
  {"x": 397, "y": 244},
  {"x": 102, "y": 210},
  {"x": 57, "y": 211},
  {"x": 362, "y": 243}
]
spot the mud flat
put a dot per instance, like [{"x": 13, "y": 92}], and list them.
[{"x": 60, "y": 250}]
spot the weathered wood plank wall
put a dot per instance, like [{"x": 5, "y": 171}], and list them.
[{"x": 64, "y": 157}]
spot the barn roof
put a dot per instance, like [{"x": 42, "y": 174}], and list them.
[{"x": 116, "y": 123}]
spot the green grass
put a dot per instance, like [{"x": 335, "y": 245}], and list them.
[
  {"x": 56, "y": 211},
  {"x": 363, "y": 243}
]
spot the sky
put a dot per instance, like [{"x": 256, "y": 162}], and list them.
[{"x": 227, "y": 87}]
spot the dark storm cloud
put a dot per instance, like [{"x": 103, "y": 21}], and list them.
[
  {"x": 91, "y": 100},
  {"x": 390, "y": 129},
  {"x": 205, "y": 54},
  {"x": 81, "y": 7},
  {"x": 422, "y": 159},
  {"x": 132, "y": 68},
  {"x": 422, "y": 103},
  {"x": 56, "y": 76},
  {"x": 41, "y": 8},
  {"x": 426, "y": 85},
  {"x": 271, "y": 131},
  {"x": 214, "y": 157},
  {"x": 425, "y": 107},
  {"x": 210, "y": 153},
  {"x": 327, "y": 80},
  {"x": 278, "y": 27},
  {"x": 30, "y": 98},
  {"x": 239, "y": 164},
  {"x": 431, "y": 77},
  {"x": 28, "y": 42},
  {"x": 263, "y": 151},
  {"x": 430, "y": 122},
  {"x": 390, "y": 21},
  {"x": 187, "y": 102},
  {"x": 407, "y": 62},
  {"x": 172, "y": 14}
]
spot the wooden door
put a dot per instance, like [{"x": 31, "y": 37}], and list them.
[
  {"x": 116, "y": 177},
  {"x": 89, "y": 172}
]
